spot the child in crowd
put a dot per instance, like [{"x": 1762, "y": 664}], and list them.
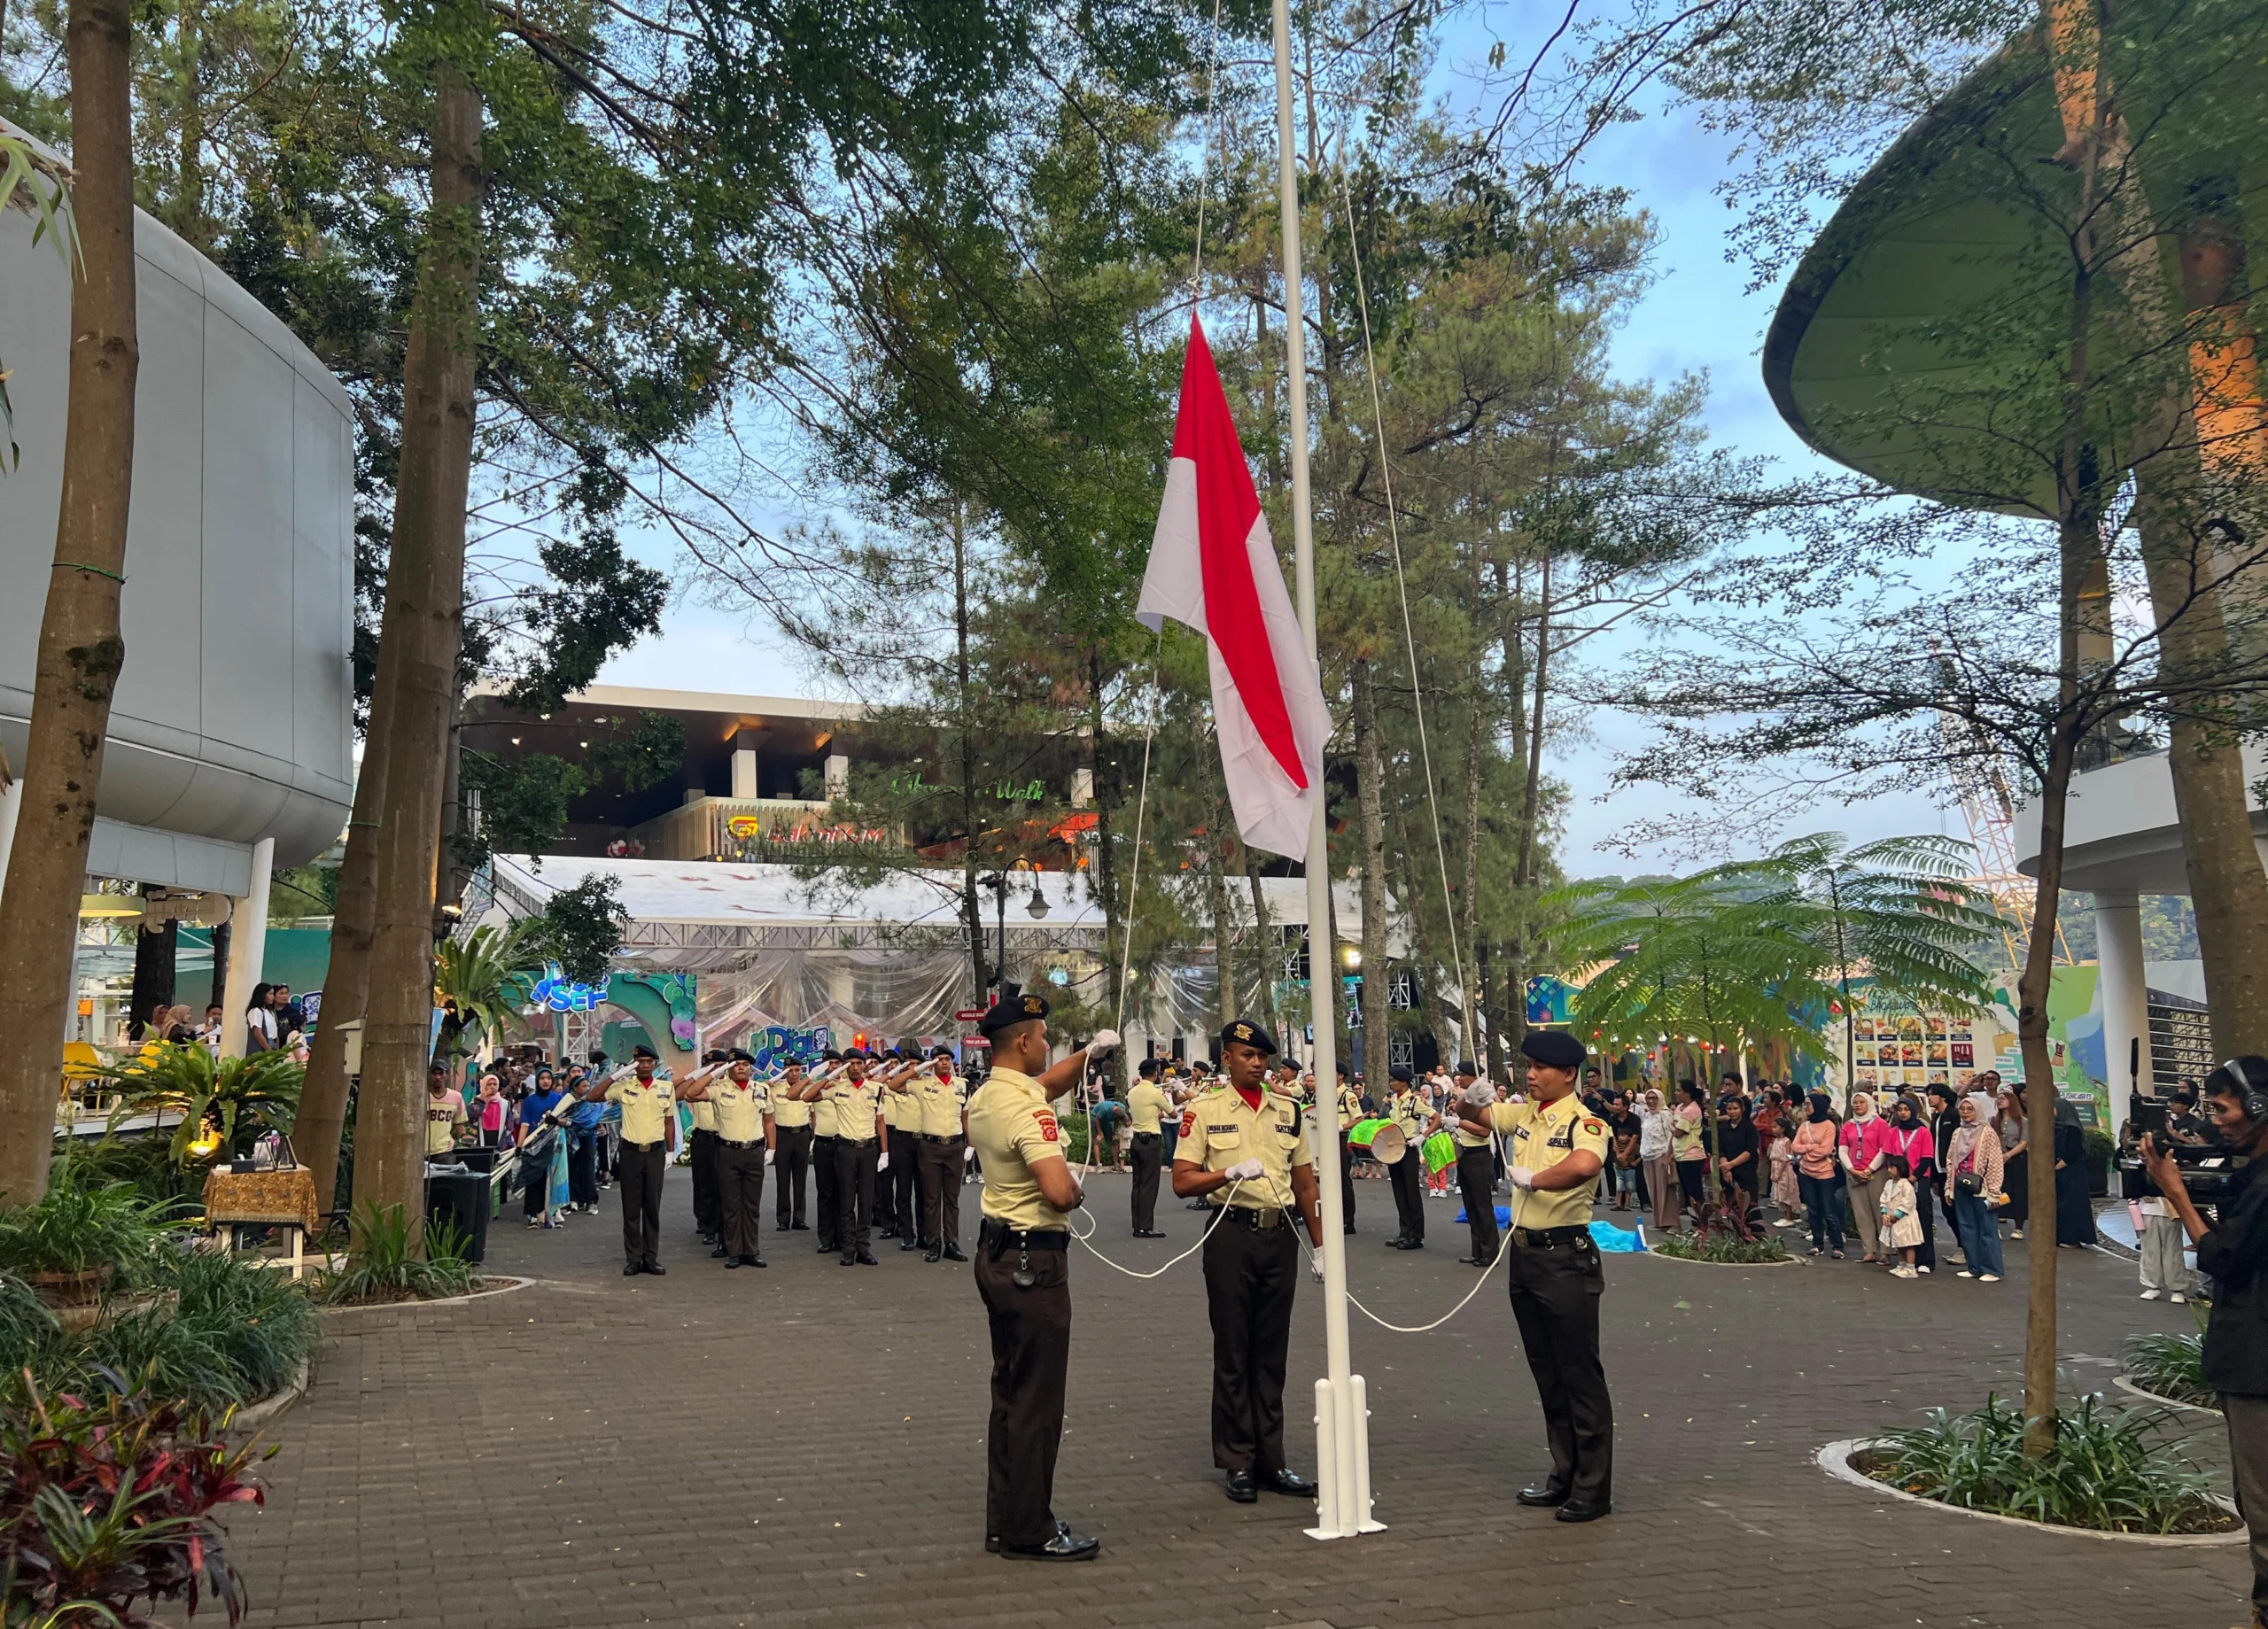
[{"x": 1901, "y": 1216}]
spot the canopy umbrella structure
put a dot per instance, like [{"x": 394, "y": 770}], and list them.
[{"x": 1924, "y": 337}]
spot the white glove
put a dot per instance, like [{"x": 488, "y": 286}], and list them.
[
  {"x": 968, "y": 1156},
  {"x": 1523, "y": 1177},
  {"x": 882, "y": 1164},
  {"x": 767, "y": 1156},
  {"x": 1246, "y": 1171},
  {"x": 1315, "y": 1265},
  {"x": 1106, "y": 1042},
  {"x": 1480, "y": 1094}
]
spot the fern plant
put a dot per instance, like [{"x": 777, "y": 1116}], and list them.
[
  {"x": 483, "y": 974},
  {"x": 224, "y": 1103}
]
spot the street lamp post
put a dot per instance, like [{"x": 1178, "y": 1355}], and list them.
[{"x": 997, "y": 881}]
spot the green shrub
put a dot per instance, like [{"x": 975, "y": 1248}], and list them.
[
  {"x": 1726, "y": 1249},
  {"x": 79, "y": 1225},
  {"x": 382, "y": 1266},
  {"x": 2171, "y": 1366},
  {"x": 2107, "y": 1473},
  {"x": 144, "y": 1160}
]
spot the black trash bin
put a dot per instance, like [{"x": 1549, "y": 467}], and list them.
[
  {"x": 460, "y": 1197},
  {"x": 480, "y": 1159}
]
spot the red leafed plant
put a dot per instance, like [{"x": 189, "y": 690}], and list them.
[{"x": 106, "y": 1503}]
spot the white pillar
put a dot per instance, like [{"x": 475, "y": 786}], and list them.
[
  {"x": 2126, "y": 995},
  {"x": 744, "y": 778},
  {"x": 838, "y": 776},
  {"x": 248, "y": 947}
]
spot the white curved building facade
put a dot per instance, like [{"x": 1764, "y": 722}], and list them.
[{"x": 230, "y": 736}]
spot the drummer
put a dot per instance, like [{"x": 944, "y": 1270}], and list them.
[{"x": 1418, "y": 1122}]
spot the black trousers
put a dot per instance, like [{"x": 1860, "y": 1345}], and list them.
[
  {"x": 2247, "y": 1423},
  {"x": 1347, "y": 1180},
  {"x": 854, "y": 1193},
  {"x": 941, "y": 1164},
  {"x": 829, "y": 1216},
  {"x": 639, "y": 1174},
  {"x": 705, "y": 1182},
  {"x": 1250, "y": 1277},
  {"x": 788, "y": 1164},
  {"x": 886, "y": 1200},
  {"x": 1476, "y": 1173},
  {"x": 1032, "y": 1350},
  {"x": 1408, "y": 1174},
  {"x": 1149, "y": 1155},
  {"x": 582, "y": 1169},
  {"x": 1554, "y": 1300},
  {"x": 904, "y": 1175},
  {"x": 739, "y": 1197}
]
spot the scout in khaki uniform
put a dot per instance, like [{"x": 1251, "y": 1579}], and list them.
[
  {"x": 701, "y": 1158},
  {"x": 827, "y": 1196},
  {"x": 791, "y": 1118},
  {"x": 902, "y": 1116},
  {"x": 1148, "y": 1108},
  {"x": 1023, "y": 1273},
  {"x": 1556, "y": 1147},
  {"x": 1244, "y": 1151},
  {"x": 648, "y": 1138},
  {"x": 1476, "y": 1170},
  {"x": 940, "y": 1098},
  {"x": 1350, "y": 1111},
  {"x": 745, "y": 1142},
  {"x": 1408, "y": 1110},
  {"x": 861, "y": 1144}
]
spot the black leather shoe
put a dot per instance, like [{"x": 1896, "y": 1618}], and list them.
[
  {"x": 730, "y": 1260},
  {"x": 934, "y": 1255},
  {"x": 631, "y": 1271},
  {"x": 1576, "y": 1510},
  {"x": 1288, "y": 1482},
  {"x": 720, "y": 1251},
  {"x": 1399, "y": 1242},
  {"x": 753, "y": 1261},
  {"x": 1147, "y": 1233},
  {"x": 848, "y": 1260},
  {"x": 801, "y": 1226},
  {"x": 657, "y": 1269},
  {"x": 907, "y": 1243},
  {"x": 1064, "y": 1546},
  {"x": 1541, "y": 1494},
  {"x": 865, "y": 1259},
  {"x": 953, "y": 1253},
  {"x": 1467, "y": 1262},
  {"x": 1350, "y": 1229},
  {"x": 1413, "y": 1244},
  {"x": 1244, "y": 1487}
]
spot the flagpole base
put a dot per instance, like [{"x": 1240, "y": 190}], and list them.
[{"x": 1342, "y": 1478}]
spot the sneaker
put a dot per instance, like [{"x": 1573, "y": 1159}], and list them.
[
  {"x": 1964, "y": 1273},
  {"x": 2018, "y": 1233},
  {"x": 2149, "y": 1295},
  {"x": 1922, "y": 1269},
  {"x": 2178, "y": 1298},
  {"x": 1903, "y": 1271},
  {"x": 535, "y": 1221},
  {"x": 1988, "y": 1278}
]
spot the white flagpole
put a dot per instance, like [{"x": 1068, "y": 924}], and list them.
[{"x": 1342, "y": 1432}]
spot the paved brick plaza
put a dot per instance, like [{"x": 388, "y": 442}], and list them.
[{"x": 805, "y": 1446}]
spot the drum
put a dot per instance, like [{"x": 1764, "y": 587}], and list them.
[
  {"x": 1441, "y": 1152},
  {"x": 1385, "y": 1140}
]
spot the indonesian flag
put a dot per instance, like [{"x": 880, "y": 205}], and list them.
[{"x": 1212, "y": 567}]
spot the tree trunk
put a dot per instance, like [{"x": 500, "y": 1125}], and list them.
[
  {"x": 321, "y": 1123},
  {"x": 1216, "y": 893},
  {"x": 189, "y": 199},
  {"x": 1468, "y": 906},
  {"x": 971, "y": 911},
  {"x": 81, "y": 649},
  {"x": 1530, "y": 721},
  {"x": 1105, "y": 879},
  {"x": 156, "y": 957},
  {"x": 422, "y": 634},
  {"x": 1369, "y": 801}
]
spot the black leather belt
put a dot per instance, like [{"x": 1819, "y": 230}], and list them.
[
  {"x": 1544, "y": 1238},
  {"x": 927, "y": 1137},
  {"x": 1259, "y": 1220},
  {"x": 752, "y": 1143},
  {"x": 1033, "y": 1238},
  {"x": 648, "y": 1146}
]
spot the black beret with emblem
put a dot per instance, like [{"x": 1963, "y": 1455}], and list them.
[
  {"x": 941, "y": 1051},
  {"x": 1554, "y": 1049},
  {"x": 1401, "y": 1072},
  {"x": 716, "y": 1054},
  {"x": 1009, "y": 1010},
  {"x": 1243, "y": 1032},
  {"x": 1465, "y": 1066},
  {"x": 645, "y": 1051},
  {"x": 741, "y": 1054}
]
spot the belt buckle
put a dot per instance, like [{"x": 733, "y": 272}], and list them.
[{"x": 1267, "y": 1216}]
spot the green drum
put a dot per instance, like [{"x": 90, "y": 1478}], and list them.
[
  {"x": 1383, "y": 1138},
  {"x": 1441, "y": 1152}
]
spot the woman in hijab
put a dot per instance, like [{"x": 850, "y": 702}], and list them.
[
  {"x": 2014, "y": 1132},
  {"x": 1818, "y": 1176},
  {"x": 1976, "y": 1169},
  {"x": 1910, "y": 1137},
  {"x": 1862, "y": 1145},
  {"x": 1657, "y": 1157},
  {"x": 2074, "y": 1212}
]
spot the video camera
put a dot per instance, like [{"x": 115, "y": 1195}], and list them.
[{"x": 2208, "y": 1169}]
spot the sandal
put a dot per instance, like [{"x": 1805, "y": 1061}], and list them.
[{"x": 1836, "y": 1255}]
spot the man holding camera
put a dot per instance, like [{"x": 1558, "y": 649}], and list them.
[{"x": 2232, "y": 1251}]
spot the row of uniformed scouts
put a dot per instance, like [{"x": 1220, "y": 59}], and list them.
[{"x": 1240, "y": 1148}]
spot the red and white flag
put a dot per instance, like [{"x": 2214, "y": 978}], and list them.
[{"x": 1213, "y": 566}]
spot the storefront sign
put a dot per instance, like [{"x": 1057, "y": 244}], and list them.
[{"x": 555, "y": 993}]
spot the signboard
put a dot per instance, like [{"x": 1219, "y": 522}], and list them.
[
  {"x": 557, "y": 994},
  {"x": 976, "y": 1041},
  {"x": 969, "y": 1015},
  {"x": 776, "y": 1047}
]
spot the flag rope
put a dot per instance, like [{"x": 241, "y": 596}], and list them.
[{"x": 1471, "y": 1024}]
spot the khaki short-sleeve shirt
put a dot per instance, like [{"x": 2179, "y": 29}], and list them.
[
  {"x": 647, "y": 1107},
  {"x": 1220, "y": 1129},
  {"x": 788, "y": 1112},
  {"x": 704, "y": 1109},
  {"x": 1350, "y": 1107},
  {"x": 1012, "y": 1129},
  {"x": 1148, "y": 1105},
  {"x": 741, "y": 1111},
  {"x": 855, "y": 1107},
  {"x": 1541, "y": 1135},
  {"x": 822, "y": 1109},
  {"x": 940, "y": 1103}
]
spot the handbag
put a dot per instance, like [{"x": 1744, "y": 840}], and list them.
[{"x": 1969, "y": 1183}]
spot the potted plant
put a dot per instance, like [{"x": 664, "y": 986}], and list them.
[
  {"x": 224, "y": 1103},
  {"x": 79, "y": 1244}
]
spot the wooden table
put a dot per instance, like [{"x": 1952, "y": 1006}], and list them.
[{"x": 278, "y": 1199}]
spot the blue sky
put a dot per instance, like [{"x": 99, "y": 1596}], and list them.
[{"x": 1695, "y": 317}]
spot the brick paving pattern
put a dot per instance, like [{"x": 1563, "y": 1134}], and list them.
[{"x": 805, "y": 1446}]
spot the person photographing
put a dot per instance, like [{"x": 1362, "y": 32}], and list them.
[{"x": 2233, "y": 1252}]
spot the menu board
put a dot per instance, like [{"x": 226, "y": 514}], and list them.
[{"x": 2181, "y": 1046}]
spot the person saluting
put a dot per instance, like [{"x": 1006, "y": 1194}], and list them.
[
  {"x": 648, "y": 1139},
  {"x": 1023, "y": 1275},
  {"x": 1243, "y": 1149},
  {"x": 1556, "y": 1147}
]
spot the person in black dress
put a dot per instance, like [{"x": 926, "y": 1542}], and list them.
[{"x": 2074, "y": 1210}]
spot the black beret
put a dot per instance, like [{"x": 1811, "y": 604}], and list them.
[
  {"x": 645, "y": 1051},
  {"x": 1243, "y": 1032},
  {"x": 1465, "y": 1066},
  {"x": 716, "y": 1054},
  {"x": 941, "y": 1051},
  {"x": 1400, "y": 1072},
  {"x": 741, "y": 1054},
  {"x": 1148, "y": 1069},
  {"x": 857, "y": 1054},
  {"x": 1554, "y": 1049},
  {"x": 830, "y": 1056},
  {"x": 1009, "y": 1010}
]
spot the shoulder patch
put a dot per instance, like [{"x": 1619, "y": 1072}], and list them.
[
  {"x": 1188, "y": 1123},
  {"x": 1591, "y": 1127},
  {"x": 1047, "y": 1128}
]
